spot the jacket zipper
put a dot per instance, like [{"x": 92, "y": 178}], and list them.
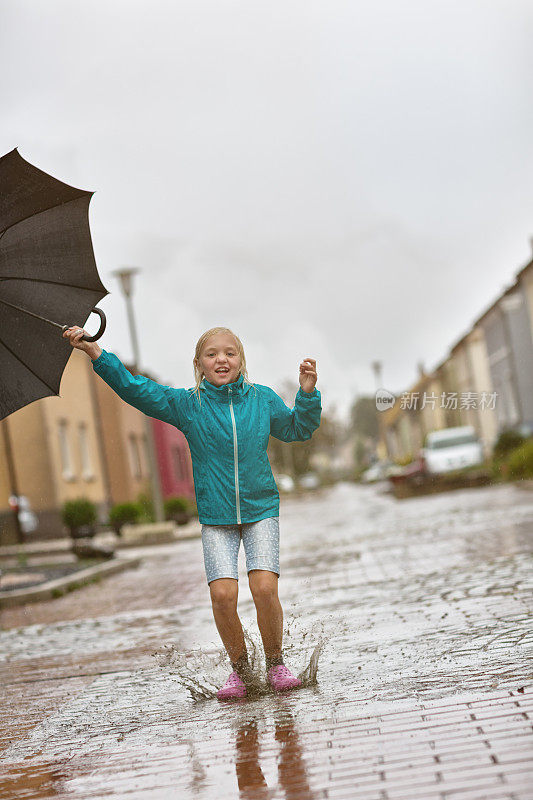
[{"x": 235, "y": 458}]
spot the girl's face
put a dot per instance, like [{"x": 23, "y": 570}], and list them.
[{"x": 220, "y": 359}]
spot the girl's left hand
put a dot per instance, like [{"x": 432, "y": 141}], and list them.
[{"x": 308, "y": 374}]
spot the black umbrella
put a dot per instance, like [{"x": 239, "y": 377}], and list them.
[{"x": 48, "y": 279}]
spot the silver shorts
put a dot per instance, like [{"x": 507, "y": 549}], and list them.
[{"x": 221, "y": 547}]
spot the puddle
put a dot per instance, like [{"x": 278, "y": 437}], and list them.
[
  {"x": 203, "y": 673},
  {"x": 393, "y": 613}
]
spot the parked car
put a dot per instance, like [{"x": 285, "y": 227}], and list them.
[
  {"x": 285, "y": 483},
  {"x": 309, "y": 480},
  {"x": 380, "y": 471},
  {"x": 450, "y": 449},
  {"x": 414, "y": 471}
]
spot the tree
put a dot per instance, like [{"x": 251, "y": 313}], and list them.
[
  {"x": 294, "y": 458},
  {"x": 364, "y": 421},
  {"x": 364, "y": 427}
]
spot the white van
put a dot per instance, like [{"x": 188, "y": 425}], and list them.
[{"x": 452, "y": 448}]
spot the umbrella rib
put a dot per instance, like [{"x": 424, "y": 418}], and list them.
[
  {"x": 25, "y": 311},
  {"x": 27, "y": 367},
  {"x": 42, "y": 210},
  {"x": 55, "y": 283}
]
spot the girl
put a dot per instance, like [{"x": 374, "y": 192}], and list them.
[{"x": 227, "y": 421}]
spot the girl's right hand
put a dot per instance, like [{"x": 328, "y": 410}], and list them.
[{"x": 74, "y": 335}]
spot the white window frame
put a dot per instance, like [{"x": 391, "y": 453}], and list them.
[
  {"x": 65, "y": 451},
  {"x": 134, "y": 456},
  {"x": 87, "y": 472}
]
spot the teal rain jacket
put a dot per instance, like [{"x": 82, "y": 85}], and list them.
[{"x": 227, "y": 435}]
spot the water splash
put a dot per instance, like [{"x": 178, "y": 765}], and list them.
[
  {"x": 300, "y": 641},
  {"x": 195, "y": 670},
  {"x": 202, "y": 673},
  {"x": 308, "y": 675}
]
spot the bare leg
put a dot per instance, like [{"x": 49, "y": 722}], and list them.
[
  {"x": 224, "y": 592},
  {"x": 264, "y": 588}
]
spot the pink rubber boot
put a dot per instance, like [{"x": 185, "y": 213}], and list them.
[
  {"x": 281, "y": 678},
  {"x": 233, "y": 688}
]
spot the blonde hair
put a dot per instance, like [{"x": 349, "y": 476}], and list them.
[{"x": 198, "y": 372}]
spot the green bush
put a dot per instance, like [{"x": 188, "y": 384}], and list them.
[
  {"x": 499, "y": 469},
  {"x": 520, "y": 462},
  {"x": 76, "y": 513},
  {"x": 144, "y": 500},
  {"x": 124, "y": 513},
  {"x": 192, "y": 507},
  {"x": 177, "y": 509},
  {"x": 174, "y": 504},
  {"x": 507, "y": 442},
  {"x": 147, "y": 507}
]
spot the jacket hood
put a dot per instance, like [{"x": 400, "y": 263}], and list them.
[{"x": 238, "y": 389}]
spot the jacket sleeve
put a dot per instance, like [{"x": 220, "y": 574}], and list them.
[
  {"x": 155, "y": 400},
  {"x": 297, "y": 424}
]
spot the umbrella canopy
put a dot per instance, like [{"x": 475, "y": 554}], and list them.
[{"x": 48, "y": 279}]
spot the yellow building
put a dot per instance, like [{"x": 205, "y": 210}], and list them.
[{"x": 86, "y": 442}]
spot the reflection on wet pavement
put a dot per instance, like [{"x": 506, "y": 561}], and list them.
[
  {"x": 418, "y": 611},
  {"x": 292, "y": 773}
]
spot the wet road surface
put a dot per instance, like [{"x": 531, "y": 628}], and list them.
[{"x": 420, "y": 611}]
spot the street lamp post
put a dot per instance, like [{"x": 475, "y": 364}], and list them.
[
  {"x": 376, "y": 366},
  {"x": 125, "y": 277}
]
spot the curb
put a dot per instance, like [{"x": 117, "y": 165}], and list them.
[
  {"x": 146, "y": 541},
  {"x": 52, "y": 547},
  {"x": 60, "y": 586},
  {"x": 527, "y": 485}
]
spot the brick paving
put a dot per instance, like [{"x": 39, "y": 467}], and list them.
[{"x": 425, "y": 682}]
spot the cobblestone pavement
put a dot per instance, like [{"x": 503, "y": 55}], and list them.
[{"x": 425, "y": 687}]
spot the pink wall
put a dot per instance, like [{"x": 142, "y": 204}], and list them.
[{"x": 174, "y": 460}]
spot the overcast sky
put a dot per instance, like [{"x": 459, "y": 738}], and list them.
[{"x": 346, "y": 181}]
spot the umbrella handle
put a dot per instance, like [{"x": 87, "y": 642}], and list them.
[{"x": 103, "y": 323}]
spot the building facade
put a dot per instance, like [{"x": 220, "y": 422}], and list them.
[
  {"x": 485, "y": 381},
  {"x": 85, "y": 443}
]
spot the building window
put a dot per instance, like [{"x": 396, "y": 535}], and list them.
[
  {"x": 134, "y": 456},
  {"x": 86, "y": 468},
  {"x": 64, "y": 450}
]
